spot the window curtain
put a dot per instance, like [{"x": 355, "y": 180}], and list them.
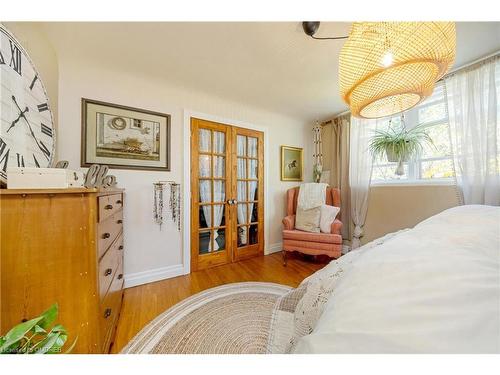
[
  {"x": 242, "y": 192},
  {"x": 339, "y": 170},
  {"x": 472, "y": 97},
  {"x": 360, "y": 172},
  {"x": 205, "y": 188}
]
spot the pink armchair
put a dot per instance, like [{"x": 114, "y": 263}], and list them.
[{"x": 311, "y": 243}]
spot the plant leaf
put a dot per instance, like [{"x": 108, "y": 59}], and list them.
[
  {"x": 39, "y": 329},
  {"x": 47, "y": 344},
  {"x": 17, "y": 333},
  {"x": 58, "y": 328},
  {"x": 49, "y": 316}
]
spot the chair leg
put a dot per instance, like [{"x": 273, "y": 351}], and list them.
[{"x": 284, "y": 257}]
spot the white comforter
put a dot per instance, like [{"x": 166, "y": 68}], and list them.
[{"x": 432, "y": 289}]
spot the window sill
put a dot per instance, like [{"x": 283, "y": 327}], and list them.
[{"x": 402, "y": 183}]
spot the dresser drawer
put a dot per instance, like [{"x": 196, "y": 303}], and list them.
[
  {"x": 110, "y": 308},
  {"x": 109, "y": 264},
  {"x": 109, "y": 205},
  {"x": 107, "y": 231}
]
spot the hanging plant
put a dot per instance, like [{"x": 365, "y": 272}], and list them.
[{"x": 399, "y": 144}]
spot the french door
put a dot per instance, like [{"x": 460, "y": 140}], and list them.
[{"x": 227, "y": 193}]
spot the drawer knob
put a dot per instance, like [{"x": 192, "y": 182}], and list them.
[
  {"x": 120, "y": 247},
  {"x": 108, "y": 207},
  {"x": 108, "y": 272},
  {"x": 120, "y": 276},
  {"x": 119, "y": 201},
  {"x": 119, "y": 221},
  {"x": 107, "y": 313},
  {"x": 106, "y": 235}
]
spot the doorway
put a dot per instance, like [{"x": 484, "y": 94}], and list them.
[{"x": 227, "y": 193}]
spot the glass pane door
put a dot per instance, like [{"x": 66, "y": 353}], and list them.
[
  {"x": 212, "y": 190},
  {"x": 209, "y": 179},
  {"x": 249, "y": 221},
  {"x": 226, "y": 194}
]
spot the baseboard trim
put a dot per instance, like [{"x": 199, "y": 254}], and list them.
[
  {"x": 274, "y": 248},
  {"x": 157, "y": 274}
]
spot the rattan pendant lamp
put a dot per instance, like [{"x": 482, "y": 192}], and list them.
[{"x": 388, "y": 67}]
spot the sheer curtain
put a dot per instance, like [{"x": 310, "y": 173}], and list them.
[
  {"x": 360, "y": 173},
  {"x": 241, "y": 186},
  {"x": 218, "y": 186},
  {"x": 472, "y": 96},
  {"x": 252, "y": 173}
]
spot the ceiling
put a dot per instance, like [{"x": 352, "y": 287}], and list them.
[{"x": 271, "y": 65}]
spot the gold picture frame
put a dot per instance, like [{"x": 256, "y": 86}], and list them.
[
  {"x": 124, "y": 137},
  {"x": 292, "y": 163}
]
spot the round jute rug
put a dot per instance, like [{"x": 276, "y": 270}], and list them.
[{"x": 229, "y": 319}]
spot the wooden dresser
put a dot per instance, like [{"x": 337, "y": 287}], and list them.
[{"x": 64, "y": 246}]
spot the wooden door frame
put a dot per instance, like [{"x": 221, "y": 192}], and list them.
[
  {"x": 249, "y": 250},
  {"x": 186, "y": 196},
  {"x": 224, "y": 256}
]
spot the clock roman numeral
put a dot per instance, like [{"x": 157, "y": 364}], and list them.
[
  {"x": 44, "y": 149},
  {"x": 43, "y": 107},
  {"x": 20, "y": 160},
  {"x": 37, "y": 164},
  {"x": 46, "y": 130},
  {"x": 33, "y": 82},
  {"x": 15, "y": 58},
  {"x": 4, "y": 156}
]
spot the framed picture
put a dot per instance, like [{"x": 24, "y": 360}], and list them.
[
  {"x": 292, "y": 163},
  {"x": 124, "y": 137}
]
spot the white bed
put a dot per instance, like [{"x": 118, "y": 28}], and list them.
[{"x": 432, "y": 289}]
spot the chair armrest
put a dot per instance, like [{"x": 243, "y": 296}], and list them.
[
  {"x": 336, "y": 227},
  {"x": 289, "y": 222}
]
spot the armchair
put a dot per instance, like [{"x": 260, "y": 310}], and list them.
[{"x": 311, "y": 243}]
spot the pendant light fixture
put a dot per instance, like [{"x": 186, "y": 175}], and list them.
[{"x": 388, "y": 67}]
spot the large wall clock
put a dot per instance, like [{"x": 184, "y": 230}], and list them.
[{"x": 27, "y": 137}]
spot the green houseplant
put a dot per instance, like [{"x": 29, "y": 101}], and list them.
[
  {"x": 399, "y": 144},
  {"x": 36, "y": 337}
]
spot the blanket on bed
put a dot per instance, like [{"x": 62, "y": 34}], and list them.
[{"x": 431, "y": 289}]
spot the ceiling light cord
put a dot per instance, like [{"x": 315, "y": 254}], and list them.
[
  {"x": 310, "y": 28},
  {"x": 330, "y": 38}
]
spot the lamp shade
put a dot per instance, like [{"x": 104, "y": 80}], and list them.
[{"x": 388, "y": 67}]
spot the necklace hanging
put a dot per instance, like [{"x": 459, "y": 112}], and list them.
[
  {"x": 174, "y": 201},
  {"x": 158, "y": 203}
]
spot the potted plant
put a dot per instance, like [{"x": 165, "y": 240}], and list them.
[
  {"x": 399, "y": 144},
  {"x": 36, "y": 337}
]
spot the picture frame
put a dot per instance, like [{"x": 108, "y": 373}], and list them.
[
  {"x": 123, "y": 137},
  {"x": 292, "y": 163}
]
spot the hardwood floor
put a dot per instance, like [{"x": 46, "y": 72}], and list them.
[{"x": 143, "y": 303}]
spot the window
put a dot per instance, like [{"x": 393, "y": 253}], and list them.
[{"x": 435, "y": 163}]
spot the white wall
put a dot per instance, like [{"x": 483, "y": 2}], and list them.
[{"x": 151, "y": 253}]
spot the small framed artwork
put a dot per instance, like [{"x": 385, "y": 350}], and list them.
[
  {"x": 124, "y": 137},
  {"x": 292, "y": 163}
]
